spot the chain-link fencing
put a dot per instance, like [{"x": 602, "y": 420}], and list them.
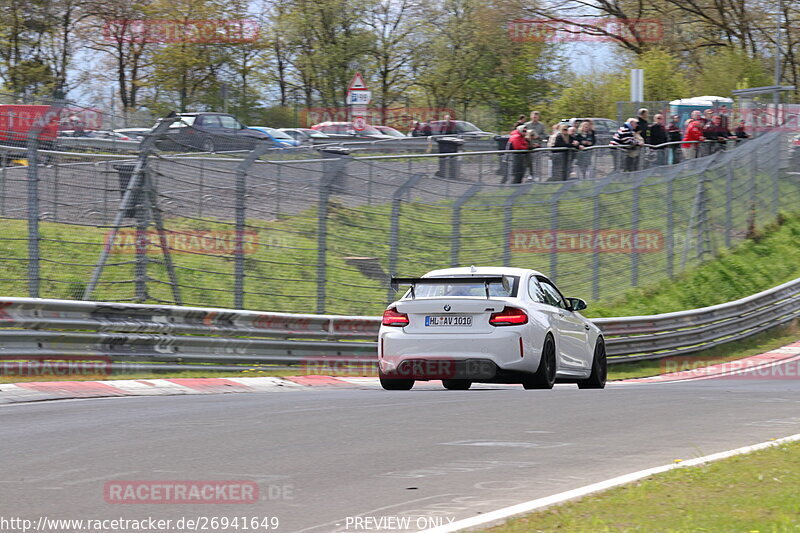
[{"x": 322, "y": 230}]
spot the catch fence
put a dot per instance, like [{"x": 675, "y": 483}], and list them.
[{"x": 321, "y": 232}]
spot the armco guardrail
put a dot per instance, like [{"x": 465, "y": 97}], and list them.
[
  {"x": 39, "y": 329},
  {"x": 656, "y": 336}
]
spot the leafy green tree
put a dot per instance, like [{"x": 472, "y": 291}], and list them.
[
  {"x": 590, "y": 95},
  {"x": 723, "y": 71},
  {"x": 664, "y": 77}
]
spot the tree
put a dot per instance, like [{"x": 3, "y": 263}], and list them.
[{"x": 393, "y": 23}]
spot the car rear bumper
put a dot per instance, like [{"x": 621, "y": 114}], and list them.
[{"x": 453, "y": 356}]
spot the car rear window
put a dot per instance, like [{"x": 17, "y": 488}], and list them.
[
  {"x": 433, "y": 290},
  {"x": 183, "y": 122}
]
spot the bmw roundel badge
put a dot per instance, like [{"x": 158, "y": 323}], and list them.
[{"x": 446, "y": 307}]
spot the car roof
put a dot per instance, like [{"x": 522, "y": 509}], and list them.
[{"x": 504, "y": 271}]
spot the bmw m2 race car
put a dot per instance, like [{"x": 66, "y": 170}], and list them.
[{"x": 488, "y": 325}]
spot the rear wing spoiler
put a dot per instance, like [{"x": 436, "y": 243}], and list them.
[{"x": 453, "y": 280}]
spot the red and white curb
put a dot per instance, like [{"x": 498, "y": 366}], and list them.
[
  {"x": 756, "y": 367},
  {"x": 770, "y": 365},
  {"x": 60, "y": 390}
]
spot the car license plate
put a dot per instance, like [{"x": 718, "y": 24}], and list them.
[{"x": 464, "y": 321}]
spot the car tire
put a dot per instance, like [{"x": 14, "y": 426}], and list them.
[
  {"x": 456, "y": 384},
  {"x": 208, "y": 145},
  {"x": 597, "y": 379},
  {"x": 545, "y": 376},
  {"x": 391, "y": 383}
]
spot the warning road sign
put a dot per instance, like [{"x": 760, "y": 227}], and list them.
[{"x": 357, "y": 83}]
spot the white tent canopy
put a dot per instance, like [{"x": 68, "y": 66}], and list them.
[{"x": 703, "y": 101}]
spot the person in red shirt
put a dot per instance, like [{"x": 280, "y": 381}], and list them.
[
  {"x": 694, "y": 132},
  {"x": 518, "y": 141}
]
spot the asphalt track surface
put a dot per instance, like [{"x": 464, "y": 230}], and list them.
[{"x": 321, "y": 455}]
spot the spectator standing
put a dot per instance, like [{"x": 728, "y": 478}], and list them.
[
  {"x": 627, "y": 138},
  {"x": 586, "y": 137},
  {"x": 536, "y": 137},
  {"x": 657, "y": 135},
  {"x": 517, "y": 141},
  {"x": 740, "y": 132},
  {"x": 674, "y": 135},
  {"x": 520, "y": 121},
  {"x": 562, "y": 159},
  {"x": 642, "y": 127},
  {"x": 723, "y": 112},
  {"x": 694, "y": 132},
  {"x": 716, "y": 131},
  {"x": 448, "y": 126}
]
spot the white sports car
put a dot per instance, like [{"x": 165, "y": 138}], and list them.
[{"x": 489, "y": 325}]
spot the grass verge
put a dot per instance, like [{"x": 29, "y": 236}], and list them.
[{"x": 756, "y": 492}]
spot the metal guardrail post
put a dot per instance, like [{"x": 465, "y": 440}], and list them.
[
  {"x": 32, "y": 155},
  {"x": 394, "y": 228},
  {"x": 455, "y": 238},
  {"x": 241, "y": 214},
  {"x": 508, "y": 219},
  {"x": 137, "y": 177}
]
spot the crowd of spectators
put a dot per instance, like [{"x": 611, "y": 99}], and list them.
[{"x": 666, "y": 142}]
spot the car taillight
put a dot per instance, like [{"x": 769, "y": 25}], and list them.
[
  {"x": 392, "y": 318},
  {"x": 509, "y": 316}
]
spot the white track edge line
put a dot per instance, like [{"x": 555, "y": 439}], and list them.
[{"x": 561, "y": 497}]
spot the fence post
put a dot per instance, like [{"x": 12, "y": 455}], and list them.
[
  {"x": 728, "y": 203},
  {"x": 241, "y": 214},
  {"x": 508, "y": 219},
  {"x": 134, "y": 185},
  {"x": 3, "y": 163},
  {"x": 142, "y": 241},
  {"x": 595, "y": 230},
  {"x": 670, "y": 236},
  {"x": 554, "y": 226},
  {"x": 32, "y": 155},
  {"x": 635, "y": 234},
  {"x": 394, "y": 228},
  {"x": 332, "y": 179},
  {"x": 455, "y": 239}
]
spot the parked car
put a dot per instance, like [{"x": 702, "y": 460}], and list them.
[
  {"x": 345, "y": 130},
  {"x": 135, "y": 134},
  {"x": 304, "y": 135},
  {"x": 604, "y": 128},
  {"x": 279, "y": 138},
  {"x": 489, "y": 325},
  {"x": 108, "y": 134},
  {"x": 462, "y": 128},
  {"x": 388, "y": 130},
  {"x": 210, "y": 132}
]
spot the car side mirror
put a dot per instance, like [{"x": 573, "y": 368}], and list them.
[{"x": 575, "y": 304}]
